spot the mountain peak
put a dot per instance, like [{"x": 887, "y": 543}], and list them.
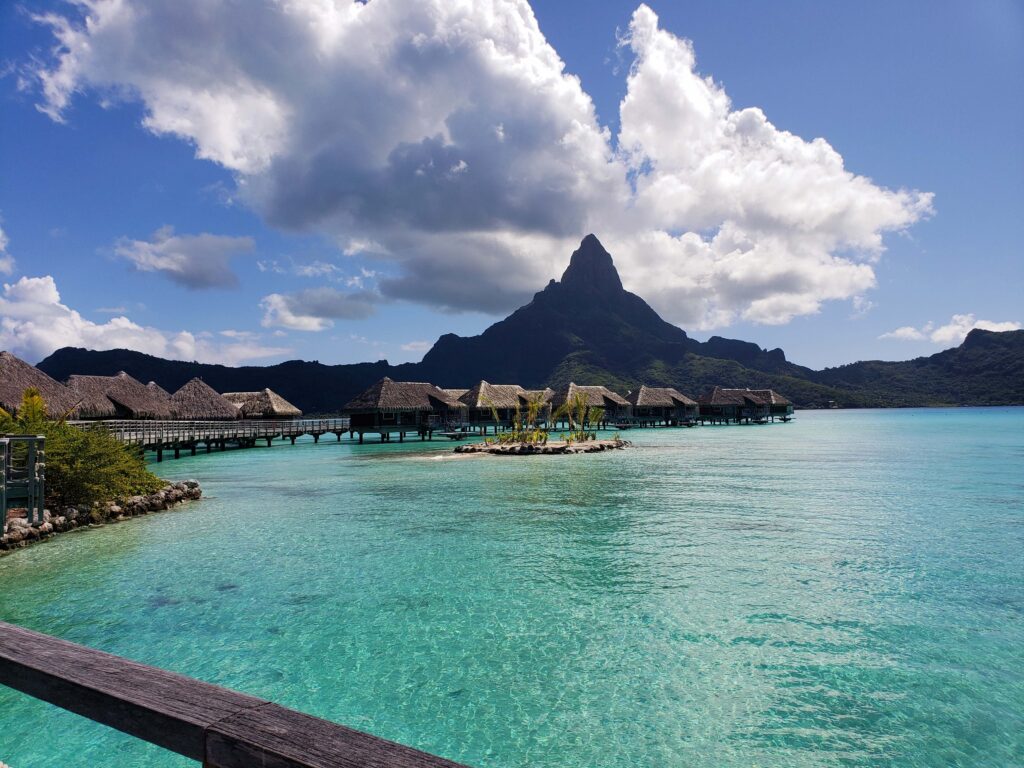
[{"x": 591, "y": 267}]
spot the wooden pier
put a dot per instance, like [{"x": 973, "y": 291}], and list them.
[
  {"x": 219, "y": 727},
  {"x": 177, "y": 436}
]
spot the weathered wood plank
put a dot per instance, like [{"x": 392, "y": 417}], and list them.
[
  {"x": 221, "y": 727},
  {"x": 275, "y": 737},
  {"x": 161, "y": 707}
]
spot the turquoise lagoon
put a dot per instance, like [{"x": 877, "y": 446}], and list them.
[{"x": 844, "y": 590}]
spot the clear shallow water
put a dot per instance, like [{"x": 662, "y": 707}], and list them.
[{"x": 845, "y": 590}]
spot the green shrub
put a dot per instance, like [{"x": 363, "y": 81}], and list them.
[{"x": 82, "y": 465}]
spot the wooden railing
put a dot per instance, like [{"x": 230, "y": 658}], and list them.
[
  {"x": 22, "y": 475},
  {"x": 217, "y": 726},
  {"x": 153, "y": 433}
]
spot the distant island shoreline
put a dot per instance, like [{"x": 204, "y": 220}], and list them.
[{"x": 587, "y": 327}]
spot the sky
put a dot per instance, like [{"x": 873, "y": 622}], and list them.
[{"x": 246, "y": 183}]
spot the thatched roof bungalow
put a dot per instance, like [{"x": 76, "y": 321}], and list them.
[
  {"x": 159, "y": 391},
  {"x": 265, "y": 404},
  {"x": 16, "y": 376},
  {"x": 402, "y": 406},
  {"x": 492, "y": 404},
  {"x": 777, "y": 404},
  {"x": 118, "y": 397},
  {"x": 546, "y": 394},
  {"x": 198, "y": 401},
  {"x": 614, "y": 405},
  {"x": 661, "y": 404},
  {"x": 722, "y": 404}
]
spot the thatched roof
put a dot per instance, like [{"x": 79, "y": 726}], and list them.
[
  {"x": 771, "y": 396},
  {"x": 198, "y": 401},
  {"x": 93, "y": 402},
  {"x": 658, "y": 397},
  {"x": 456, "y": 393},
  {"x": 265, "y": 404},
  {"x": 16, "y": 376},
  {"x": 121, "y": 395},
  {"x": 388, "y": 395},
  {"x": 158, "y": 390},
  {"x": 597, "y": 397},
  {"x": 545, "y": 394},
  {"x": 723, "y": 396},
  {"x": 485, "y": 395}
]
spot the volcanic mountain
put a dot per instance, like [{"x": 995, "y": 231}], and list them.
[{"x": 587, "y": 328}]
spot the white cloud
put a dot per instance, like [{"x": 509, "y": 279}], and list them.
[
  {"x": 195, "y": 261},
  {"x": 34, "y": 323},
  {"x": 467, "y": 156},
  {"x": 6, "y": 260},
  {"x": 861, "y": 306},
  {"x": 417, "y": 346},
  {"x": 952, "y": 333},
  {"x": 270, "y": 265},
  {"x": 111, "y": 310},
  {"x": 317, "y": 269},
  {"x": 906, "y": 333},
  {"x": 315, "y": 309}
]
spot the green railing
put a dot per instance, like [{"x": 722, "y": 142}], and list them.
[{"x": 22, "y": 475}]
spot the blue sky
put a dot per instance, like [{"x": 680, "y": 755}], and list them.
[{"x": 313, "y": 190}]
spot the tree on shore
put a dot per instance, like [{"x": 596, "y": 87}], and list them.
[{"x": 83, "y": 465}]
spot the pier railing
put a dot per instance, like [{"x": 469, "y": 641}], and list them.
[
  {"x": 22, "y": 475},
  {"x": 217, "y": 726},
  {"x": 152, "y": 433}
]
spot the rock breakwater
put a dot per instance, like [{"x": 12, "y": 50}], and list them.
[
  {"x": 546, "y": 449},
  {"x": 18, "y": 532}
]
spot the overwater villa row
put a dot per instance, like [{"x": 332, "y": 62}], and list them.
[
  {"x": 387, "y": 408},
  {"x": 123, "y": 397},
  {"x": 421, "y": 409}
]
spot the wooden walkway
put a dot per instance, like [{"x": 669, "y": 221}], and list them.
[
  {"x": 178, "y": 436},
  {"x": 219, "y": 727}
]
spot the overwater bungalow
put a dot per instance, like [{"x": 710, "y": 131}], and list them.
[
  {"x": 662, "y": 405},
  {"x": 545, "y": 396},
  {"x": 614, "y": 407},
  {"x": 722, "y": 406},
  {"x": 492, "y": 406},
  {"x": 779, "y": 407},
  {"x": 403, "y": 407},
  {"x": 16, "y": 376},
  {"x": 265, "y": 404},
  {"x": 198, "y": 401},
  {"x": 117, "y": 397}
]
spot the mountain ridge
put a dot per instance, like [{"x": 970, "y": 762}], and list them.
[{"x": 586, "y": 327}]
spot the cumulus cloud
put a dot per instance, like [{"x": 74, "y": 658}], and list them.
[
  {"x": 316, "y": 309},
  {"x": 908, "y": 333},
  {"x": 6, "y": 260},
  {"x": 952, "y": 333},
  {"x": 447, "y": 139},
  {"x": 34, "y": 322},
  {"x": 194, "y": 261}
]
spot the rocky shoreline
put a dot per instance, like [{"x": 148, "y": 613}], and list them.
[
  {"x": 546, "y": 449},
  {"x": 18, "y": 533}
]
